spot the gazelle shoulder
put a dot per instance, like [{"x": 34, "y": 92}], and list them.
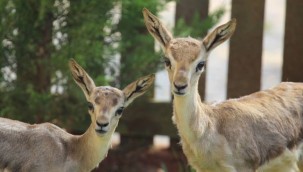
[{"x": 52, "y": 129}]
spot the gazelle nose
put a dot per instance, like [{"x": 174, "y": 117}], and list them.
[
  {"x": 180, "y": 87},
  {"x": 102, "y": 125}
]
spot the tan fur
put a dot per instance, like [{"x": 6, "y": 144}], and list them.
[
  {"x": 46, "y": 147},
  {"x": 258, "y": 132}
]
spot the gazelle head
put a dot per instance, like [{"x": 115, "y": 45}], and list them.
[
  {"x": 105, "y": 103},
  {"x": 185, "y": 58}
]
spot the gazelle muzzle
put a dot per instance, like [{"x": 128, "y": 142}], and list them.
[
  {"x": 102, "y": 128},
  {"x": 179, "y": 89}
]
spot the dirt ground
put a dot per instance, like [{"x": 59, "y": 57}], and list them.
[{"x": 134, "y": 157}]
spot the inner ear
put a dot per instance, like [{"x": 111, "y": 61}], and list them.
[
  {"x": 81, "y": 77},
  {"x": 156, "y": 28},
  {"x": 138, "y": 89},
  {"x": 209, "y": 45},
  {"x": 219, "y": 35}
]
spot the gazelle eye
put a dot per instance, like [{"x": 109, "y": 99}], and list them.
[
  {"x": 167, "y": 62},
  {"x": 200, "y": 66},
  {"x": 120, "y": 111},
  {"x": 90, "y": 106}
]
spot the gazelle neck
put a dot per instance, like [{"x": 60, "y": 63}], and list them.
[
  {"x": 92, "y": 148},
  {"x": 191, "y": 114}
]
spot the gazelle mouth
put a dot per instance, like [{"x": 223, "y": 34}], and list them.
[
  {"x": 102, "y": 128},
  {"x": 179, "y": 93},
  {"x": 101, "y": 131}
]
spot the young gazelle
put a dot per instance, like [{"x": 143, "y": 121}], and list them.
[
  {"x": 46, "y": 147},
  {"x": 258, "y": 132}
]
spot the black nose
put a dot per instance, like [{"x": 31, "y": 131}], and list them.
[
  {"x": 102, "y": 125},
  {"x": 180, "y": 87}
]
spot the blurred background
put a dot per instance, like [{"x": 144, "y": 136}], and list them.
[{"x": 109, "y": 40}]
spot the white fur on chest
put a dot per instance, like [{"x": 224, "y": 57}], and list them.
[
  {"x": 204, "y": 148},
  {"x": 209, "y": 153}
]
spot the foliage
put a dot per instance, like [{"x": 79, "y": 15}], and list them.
[
  {"x": 136, "y": 46},
  {"x": 197, "y": 27},
  {"x": 38, "y": 38}
]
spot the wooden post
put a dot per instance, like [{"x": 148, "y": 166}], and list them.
[
  {"x": 186, "y": 9},
  {"x": 245, "y": 55},
  {"x": 293, "y": 46}
]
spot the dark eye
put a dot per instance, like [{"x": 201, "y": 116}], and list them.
[
  {"x": 200, "y": 66},
  {"x": 90, "y": 106},
  {"x": 120, "y": 111},
  {"x": 167, "y": 62}
]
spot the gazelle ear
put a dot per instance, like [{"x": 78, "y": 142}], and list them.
[
  {"x": 219, "y": 35},
  {"x": 81, "y": 78},
  {"x": 156, "y": 28},
  {"x": 137, "y": 88}
]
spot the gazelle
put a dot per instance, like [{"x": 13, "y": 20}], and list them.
[
  {"x": 258, "y": 132},
  {"x": 47, "y": 148}
]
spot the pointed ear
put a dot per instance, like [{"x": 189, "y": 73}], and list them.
[
  {"x": 81, "y": 78},
  {"x": 156, "y": 28},
  {"x": 219, "y": 35},
  {"x": 137, "y": 88}
]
